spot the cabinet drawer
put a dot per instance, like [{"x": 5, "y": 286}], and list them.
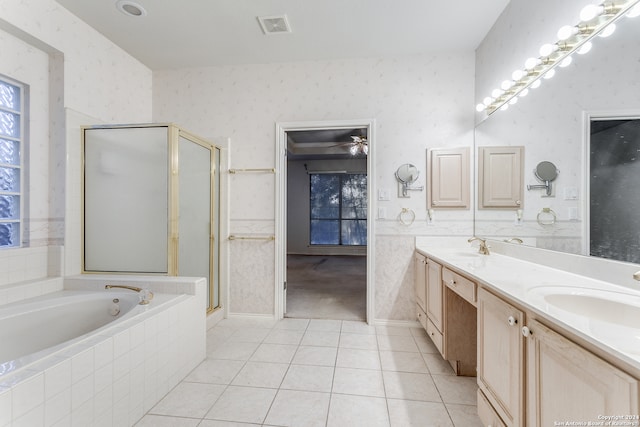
[
  {"x": 422, "y": 317},
  {"x": 486, "y": 413},
  {"x": 436, "y": 336},
  {"x": 460, "y": 285}
]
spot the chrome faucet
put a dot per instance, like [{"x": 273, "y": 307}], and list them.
[
  {"x": 145, "y": 294},
  {"x": 514, "y": 239},
  {"x": 484, "y": 248}
]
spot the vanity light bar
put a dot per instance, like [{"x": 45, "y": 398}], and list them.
[{"x": 571, "y": 39}]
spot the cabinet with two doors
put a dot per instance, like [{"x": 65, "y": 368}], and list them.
[
  {"x": 445, "y": 305},
  {"x": 530, "y": 375}
]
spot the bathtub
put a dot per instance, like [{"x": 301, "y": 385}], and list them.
[{"x": 67, "y": 359}]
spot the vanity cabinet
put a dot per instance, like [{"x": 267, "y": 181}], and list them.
[
  {"x": 419, "y": 268},
  {"x": 566, "y": 382},
  {"x": 518, "y": 356},
  {"x": 434, "y": 295},
  {"x": 501, "y": 358}
]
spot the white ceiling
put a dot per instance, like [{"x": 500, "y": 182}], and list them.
[{"x": 195, "y": 33}]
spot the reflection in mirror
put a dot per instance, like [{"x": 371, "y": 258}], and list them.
[
  {"x": 551, "y": 122},
  {"x": 614, "y": 199}
]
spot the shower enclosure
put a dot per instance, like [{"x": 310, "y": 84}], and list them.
[{"x": 151, "y": 201}]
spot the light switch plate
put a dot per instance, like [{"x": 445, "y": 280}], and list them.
[
  {"x": 382, "y": 213},
  {"x": 383, "y": 194}
]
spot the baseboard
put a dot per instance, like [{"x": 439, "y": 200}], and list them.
[
  {"x": 253, "y": 316},
  {"x": 214, "y": 318}
]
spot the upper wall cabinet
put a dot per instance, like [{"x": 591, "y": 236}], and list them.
[
  {"x": 449, "y": 173},
  {"x": 500, "y": 177}
]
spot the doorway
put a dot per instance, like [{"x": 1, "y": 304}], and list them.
[{"x": 324, "y": 220}]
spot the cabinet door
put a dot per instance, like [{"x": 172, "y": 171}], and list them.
[
  {"x": 500, "y": 177},
  {"x": 449, "y": 183},
  {"x": 434, "y": 294},
  {"x": 566, "y": 382},
  {"x": 420, "y": 266},
  {"x": 501, "y": 356}
]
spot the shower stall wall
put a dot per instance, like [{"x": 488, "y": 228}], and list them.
[{"x": 151, "y": 201}]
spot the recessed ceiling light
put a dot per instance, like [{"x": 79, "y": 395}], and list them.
[
  {"x": 131, "y": 8},
  {"x": 274, "y": 24}
]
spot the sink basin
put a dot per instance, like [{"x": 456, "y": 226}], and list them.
[{"x": 618, "y": 308}]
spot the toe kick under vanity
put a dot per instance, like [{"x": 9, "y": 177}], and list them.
[{"x": 548, "y": 347}]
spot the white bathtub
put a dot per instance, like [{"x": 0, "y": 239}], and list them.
[{"x": 65, "y": 360}]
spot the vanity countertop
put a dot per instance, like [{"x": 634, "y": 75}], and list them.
[{"x": 602, "y": 314}]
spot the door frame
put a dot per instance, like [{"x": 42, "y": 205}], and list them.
[{"x": 281, "y": 205}]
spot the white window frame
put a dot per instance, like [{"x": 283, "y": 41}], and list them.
[{"x": 21, "y": 139}]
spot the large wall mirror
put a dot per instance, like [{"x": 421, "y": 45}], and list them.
[{"x": 554, "y": 124}]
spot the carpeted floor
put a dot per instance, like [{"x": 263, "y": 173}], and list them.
[{"x": 326, "y": 287}]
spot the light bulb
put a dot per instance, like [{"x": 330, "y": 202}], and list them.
[
  {"x": 517, "y": 75},
  {"x": 585, "y": 48},
  {"x": 513, "y": 100},
  {"x": 497, "y": 93},
  {"x": 566, "y": 32},
  {"x": 506, "y": 85},
  {"x": 536, "y": 84},
  {"x": 524, "y": 93},
  {"x": 608, "y": 30},
  {"x": 487, "y": 101},
  {"x": 531, "y": 63},
  {"x": 550, "y": 73},
  {"x": 566, "y": 61},
  {"x": 480, "y": 107},
  {"x": 353, "y": 150},
  {"x": 590, "y": 11},
  {"x": 365, "y": 149},
  {"x": 504, "y": 107},
  {"x": 634, "y": 11},
  {"x": 548, "y": 49}
]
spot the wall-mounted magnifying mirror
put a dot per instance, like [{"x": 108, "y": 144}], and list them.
[
  {"x": 545, "y": 172},
  {"x": 406, "y": 175}
]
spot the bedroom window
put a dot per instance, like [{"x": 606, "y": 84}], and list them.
[
  {"x": 11, "y": 161},
  {"x": 338, "y": 209}
]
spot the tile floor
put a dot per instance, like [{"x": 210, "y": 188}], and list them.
[{"x": 306, "y": 373}]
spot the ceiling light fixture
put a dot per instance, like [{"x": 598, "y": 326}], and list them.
[
  {"x": 274, "y": 24},
  {"x": 131, "y": 8},
  {"x": 595, "y": 19}
]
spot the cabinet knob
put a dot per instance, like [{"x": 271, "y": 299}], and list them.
[
  {"x": 518, "y": 202},
  {"x": 453, "y": 282},
  {"x": 526, "y": 331},
  {"x": 512, "y": 321}
]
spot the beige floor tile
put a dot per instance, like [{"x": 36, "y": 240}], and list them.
[
  {"x": 276, "y": 353},
  {"x": 426, "y": 345},
  {"x": 319, "y": 356},
  {"x": 359, "y": 341},
  {"x": 215, "y": 371},
  {"x": 188, "y": 400},
  {"x": 242, "y": 404},
  {"x": 308, "y": 378},
  {"x": 411, "y": 413},
  {"x": 216, "y": 423},
  {"x": 233, "y": 351},
  {"x": 357, "y": 411},
  {"x": 299, "y": 408},
  {"x": 406, "y": 385},
  {"x": 356, "y": 327},
  {"x": 284, "y": 336},
  {"x": 320, "y": 338},
  {"x": 464, "y": 415},
  {"x": 249, "y": 335},
  {"x": 403, "y": 362},
  {"x": 356, "y": 358},
  {"x": 165, "y": 421},
  {"x": 362, "y": 382},
  {"x": 453, "y": 389},
  {"x": 261, "y": 374},
  {"x": 325, "y": 325},
  {"x": 393, "y": 330},
  {"x": 397, "y": 343},
  {"x": 292, "y": 324},
  {"x": 437, "y": 365}
]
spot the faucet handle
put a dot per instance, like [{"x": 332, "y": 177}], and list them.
[
  {"x": 636, "y": 275},
  {"x": 145, "y": 296}
]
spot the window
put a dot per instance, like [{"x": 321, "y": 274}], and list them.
[
  {"x": 338, "y": 209},
  {"x": 11, "y": 149}
]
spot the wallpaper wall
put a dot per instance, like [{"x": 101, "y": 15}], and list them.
[{"x": 418, "y": 102}]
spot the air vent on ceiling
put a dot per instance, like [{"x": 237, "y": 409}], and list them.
[{"x": 274, "y": 24}]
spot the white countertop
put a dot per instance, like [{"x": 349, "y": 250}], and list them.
[{"x": 526, "y": 283}]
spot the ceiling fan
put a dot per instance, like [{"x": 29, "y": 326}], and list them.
[{"x": 357, "y": 146}]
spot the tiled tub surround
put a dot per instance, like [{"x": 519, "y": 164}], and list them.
[
  {"x": 114, "y": 376},
  {"x": 516, "y": 277}
]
